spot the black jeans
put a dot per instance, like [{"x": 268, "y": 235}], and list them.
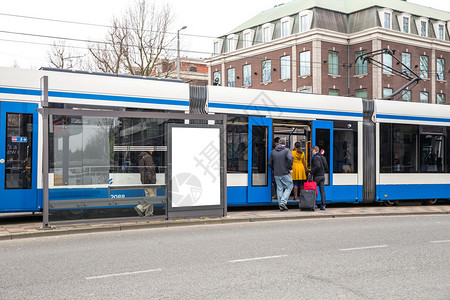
[{"x": 320, "y": 180}]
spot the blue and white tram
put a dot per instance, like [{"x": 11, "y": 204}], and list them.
[{"x": 382, "y": 151}]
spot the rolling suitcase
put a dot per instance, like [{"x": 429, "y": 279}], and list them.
[{"x": 307, "y": 200}]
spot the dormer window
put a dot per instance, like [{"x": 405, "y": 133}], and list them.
[
  {"x": 267, "y": 30},
  {"x": 218, "y": 46},
  {"x": 386, "y": 18},
  {"x": 405, "y": 25},
  {"x": 304, "y": 23},
  {"x": 404, "y": 20},
  {"x": 441, "y": 32},
  {"x": 266, "y": 34},
  {"x": 247, "y": 37},
  {"x": 422, "y": 26},
  {"x": 285, "y": 29},
  {"x": 439, "y": 28},
  {"x": 286, "y": 26},
  {"x": 232, "y": 42},
  {"x": 305, "y": 18}
]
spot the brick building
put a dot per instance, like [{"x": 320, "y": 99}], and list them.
[
  {"x": 192, "y": 71},
  {"x": 312, "y": 46}
]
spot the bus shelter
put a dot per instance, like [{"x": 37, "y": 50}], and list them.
[{"x": 91, "y": 158}]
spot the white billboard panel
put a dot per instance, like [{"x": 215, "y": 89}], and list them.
[{"x": 195, "y": 167}]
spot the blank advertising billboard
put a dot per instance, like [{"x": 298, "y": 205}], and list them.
[{"x": 195, "y": 167}]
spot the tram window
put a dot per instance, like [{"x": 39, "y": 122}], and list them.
[
  {"x": 259, "y": 155},
  {"x": 19, "y": 149},
  {"x": 432, "y": 141},
  {"x": 237, "y": 144},
  {"x": 345, "y": 148},
  {"x": 398, "y": 148}
]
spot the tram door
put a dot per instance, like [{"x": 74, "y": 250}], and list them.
[
  {"x": 259, "y": 147},
  {"x": 18, "y": 157},
  {"x": 322, "y": 136}
]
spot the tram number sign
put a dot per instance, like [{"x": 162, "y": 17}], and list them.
[{"x": 19, "y": 139}]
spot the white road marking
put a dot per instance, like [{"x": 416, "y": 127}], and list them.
[
  {"x": 124, "y": 274},
  {"x": 256, "y": 258},
  {"x": 444, "y": 241},
  {"x": 363, "y": 248}
]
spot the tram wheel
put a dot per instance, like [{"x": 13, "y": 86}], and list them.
[
  {"x": 429, "y": 201},
  {"x": 391, "y": 202}
]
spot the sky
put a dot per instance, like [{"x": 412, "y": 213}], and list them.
[{"x": 205, "y": 20}]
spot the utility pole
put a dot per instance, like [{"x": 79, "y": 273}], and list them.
[{"x": 178, "y": 51}]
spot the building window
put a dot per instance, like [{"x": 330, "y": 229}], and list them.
[
  {"x": 387, "y": 20},
  {"x": 231, "y": 44},
  {"x": 387, "y": 63},
  {"x": 441, "y": 32},
  {"x": 362, "y": 93},
  {"x": 440, "y": 99},
  {"x": 440, "y": 66},
  {"x": 361, "y": 65},
  {"x": 406, "y": 96},
  {"x": 305, "y": 63},
  {"x": 247, "y": 40},
  {"x": 247, "y": 77},
  {"x": 285, "y": 29},
  {"x": 333, "y": 92},
  {"x": 216, "y": 78},
  {"x": 216, "y": 48},
  {"x": 423, "y": 97},
  {"x": 285, "y": 63},
  {"x": 231, "y": 81},
  {"x": 423, "y": 66},
  {"x": 406, "y": 60},
  {"x": 266, "y": 68},
  {"x": 333, "y": 63},
  {"x": 405, "y": 24},
  {"x": 423, "y": 28},
  {"x": 266, "y": 34},
  {"x": 387, "y": 92},
  {"x": 304, "y": 23}
]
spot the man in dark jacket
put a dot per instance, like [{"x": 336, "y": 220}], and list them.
[
  {"x": 319, "y": 166},
  {"x": 280, "y": 161},
  {"x": 148, "y": 176}
]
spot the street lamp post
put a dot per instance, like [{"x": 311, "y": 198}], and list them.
[{"x": 178, "y": 51}]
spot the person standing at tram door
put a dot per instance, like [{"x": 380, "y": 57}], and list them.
[
  {"x": 319, "y": 166},
  {"x": 280, "y": 161},
  {"x": 298, "y": 169},
  {"x": 148, "y": 176},
  {"x": 276, "y": 142}
]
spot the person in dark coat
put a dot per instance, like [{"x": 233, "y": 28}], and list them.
[
  {"x": 319, "y": 166},
  {"x": 280, "y": 161},
  {"x": 148, "y": 176}
]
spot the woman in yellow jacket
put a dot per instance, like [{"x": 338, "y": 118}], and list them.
[{"x": 298, "y": 169}]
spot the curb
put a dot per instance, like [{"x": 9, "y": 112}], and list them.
[{"x": 62, "y": 231}]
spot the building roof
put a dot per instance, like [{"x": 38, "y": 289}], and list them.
[{"x": 343, "y": 6}]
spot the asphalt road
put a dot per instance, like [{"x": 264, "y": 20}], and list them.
[{"x": 346, "y": 258}]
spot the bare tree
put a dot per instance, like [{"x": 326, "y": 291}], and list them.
[
  {"x": 62, "y": 57},
  {"x": 138, "y": 42}
]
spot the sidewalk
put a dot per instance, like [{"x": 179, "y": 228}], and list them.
[{"x": 29, "y": 229}]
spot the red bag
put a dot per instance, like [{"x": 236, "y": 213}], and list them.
[{"x": 310, "y": 185}]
